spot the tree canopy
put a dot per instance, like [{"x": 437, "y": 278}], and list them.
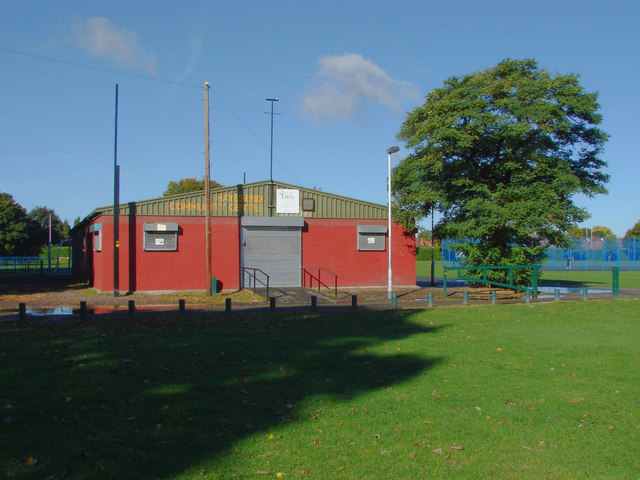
[
  {"x": 500, "y": 153},
  {"x": 634, "y": 231},
  {"x": 39, "y": 217},
  {"x": 186, "y": 185},
  {"x": 24, "y": 234},
  {"x": 14, "y": 227},
  {"x": 598, "y": 231}
]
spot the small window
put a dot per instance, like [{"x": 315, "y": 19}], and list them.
[
  {"x": 161, "y": 237},
  {"x": 96, "y": 231},
  {"x": 308, "y": 204},
  {"x": 372, "y": 237}
]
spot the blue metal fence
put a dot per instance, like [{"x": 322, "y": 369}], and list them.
[
  {"x": 595, "y": 254},
  {"x": 584, "y": 254},
  {"x": 30, "y": 265}
]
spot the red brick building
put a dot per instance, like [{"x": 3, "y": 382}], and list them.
[{"x": 286, "y": 232}]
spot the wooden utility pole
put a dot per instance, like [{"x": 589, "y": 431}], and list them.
[
  {"x": 207, "y": 189},
  {"x": 116, "y": 207}
]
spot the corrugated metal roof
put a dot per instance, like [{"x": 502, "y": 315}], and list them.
[{"x": 252, "y": 199}]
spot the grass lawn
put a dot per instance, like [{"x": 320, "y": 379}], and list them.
[
  {"x": 510, "y": 391},
  {"x": 423, "y": 269}
]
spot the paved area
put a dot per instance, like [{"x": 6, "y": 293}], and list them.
[{"x": 49, "y": 298}]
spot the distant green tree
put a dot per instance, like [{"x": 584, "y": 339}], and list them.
[
  {"x": 39, "y": 217},
  {"x": 576, "y": 231},
  {"x": 500, "y": 153},
  {"x": 600, "y": 231},
  {"x": 597, "y": 231},
  {"x": 426, "y": 234},
  {"x": 14, "y": 228},
  {"x": 634, "y": 231},
  {"x": 186, "y": 185}
]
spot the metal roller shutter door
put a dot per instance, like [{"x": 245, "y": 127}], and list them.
[{"x": 276, "y": 250}]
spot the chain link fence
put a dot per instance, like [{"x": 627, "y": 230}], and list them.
[{"x": 584, "y": 254}]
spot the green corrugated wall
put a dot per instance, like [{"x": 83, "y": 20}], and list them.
[{"x": 252, "y": 200}]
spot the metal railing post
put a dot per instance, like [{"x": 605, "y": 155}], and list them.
[
  {"x": 615, "y": 287},
  {"x": 444, "y": 283}
]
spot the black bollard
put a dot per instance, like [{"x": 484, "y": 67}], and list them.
[
  {"x": 22, "y": 311},
  {"x": 227, "y": 305},
  {"x": 181, "y": 306},
  {"x": 132, "y": 308}
]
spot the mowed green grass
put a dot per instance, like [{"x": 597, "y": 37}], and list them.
[
  {"x": 507, "y": 391},
  {"x": 592, "y": 278}
]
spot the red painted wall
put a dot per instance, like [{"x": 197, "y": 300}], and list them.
[
  {"x": 326, "y": 243},
  {"x": 332, "y": 244},
  {"x": 183, "y": 269}
]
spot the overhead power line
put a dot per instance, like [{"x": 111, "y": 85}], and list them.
[
  {"x": 152, "y": 79},
  {"x": 99, "y": 69}
]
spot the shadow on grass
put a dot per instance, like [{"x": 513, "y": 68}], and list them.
[{"x": 158, "y": 397}]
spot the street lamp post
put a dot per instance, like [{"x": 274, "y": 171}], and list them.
[{"x": 390, "y": 150}]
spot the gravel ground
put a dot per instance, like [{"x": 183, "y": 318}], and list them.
[{"x": 50, "y": 292}]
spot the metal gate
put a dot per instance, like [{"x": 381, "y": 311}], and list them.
[{"x": 273, "y": 245}]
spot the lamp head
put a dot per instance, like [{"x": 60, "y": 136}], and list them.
[{"x": 391, "y": 150}]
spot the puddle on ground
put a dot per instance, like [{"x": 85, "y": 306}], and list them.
[
  {"x": 43, "y": 312},
  {"x": 570, "y": 290}
]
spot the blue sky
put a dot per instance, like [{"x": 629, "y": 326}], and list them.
[{"x": 346, "y": 72}]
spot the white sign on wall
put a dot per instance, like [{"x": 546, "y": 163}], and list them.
[{"x": 287, "y": 200}]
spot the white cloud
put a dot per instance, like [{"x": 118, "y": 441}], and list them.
[
  {"x": 345, "y": 83},
  {"x": 100, "y": 37}
]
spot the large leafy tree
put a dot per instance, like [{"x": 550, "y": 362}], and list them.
[
  {"x": 14, "y": 228},
  {"x": 186, "y": 185},
  {"x": 501, "y": 153}
]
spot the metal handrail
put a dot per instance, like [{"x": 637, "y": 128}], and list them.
[
  {"x": 318, "y": 279},
  {"x": 533, "y": 289},
  {"x": 255, "y": 278}
]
